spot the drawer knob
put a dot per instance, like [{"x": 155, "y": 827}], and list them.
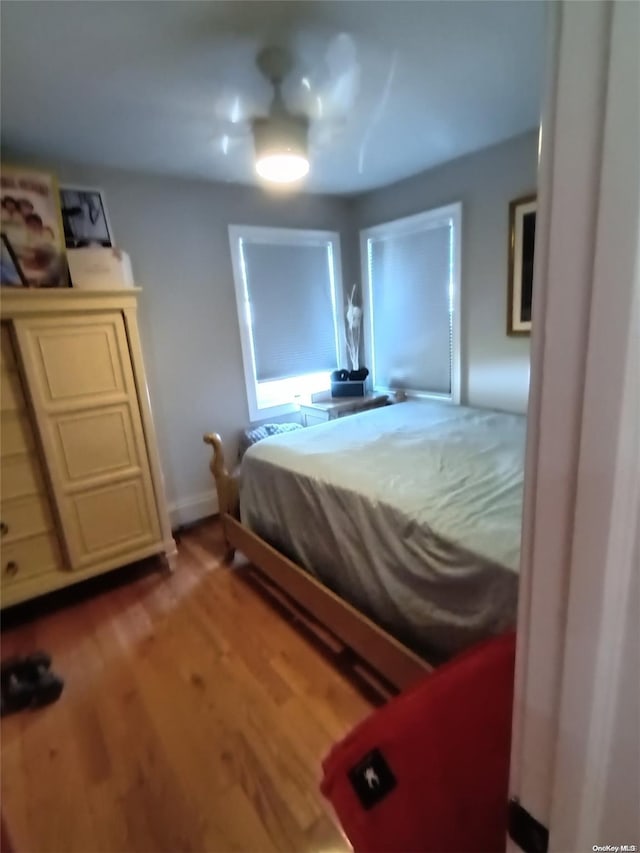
[
  {"x": 11, "y": 568},
  {"x": 4, "y": 528}
]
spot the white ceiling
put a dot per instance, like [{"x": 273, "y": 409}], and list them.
[{"x": 157, "y": 86}]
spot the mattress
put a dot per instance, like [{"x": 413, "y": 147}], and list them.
[{"x": 411, "y": 512}]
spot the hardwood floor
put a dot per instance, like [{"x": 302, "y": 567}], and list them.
[{"x": 194, "y": 717}]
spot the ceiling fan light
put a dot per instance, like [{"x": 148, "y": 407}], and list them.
[
  {"x": 281, "y": 148},
  {"x": 283, "y": 167}
]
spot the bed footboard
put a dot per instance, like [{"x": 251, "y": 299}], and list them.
[{"x": 226, "y": 487}]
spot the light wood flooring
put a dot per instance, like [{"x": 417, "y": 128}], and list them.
[{"x": 194, "y": 717}]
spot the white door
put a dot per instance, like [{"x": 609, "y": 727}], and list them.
[{"x": 575, "y": 764}]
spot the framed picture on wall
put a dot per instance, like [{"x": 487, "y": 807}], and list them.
[
  {"x": 85, "y": 218},
  {"x": 522, "y": 236},
  {"x": 33, "y": 244}
]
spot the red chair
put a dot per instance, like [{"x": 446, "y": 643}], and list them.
[{"x": 429, "y": 771}]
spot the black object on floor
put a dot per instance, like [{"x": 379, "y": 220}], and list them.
[{"x": 28, "y": 682}]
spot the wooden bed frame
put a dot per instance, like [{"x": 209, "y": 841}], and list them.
[{"x": 391, "y": 659}]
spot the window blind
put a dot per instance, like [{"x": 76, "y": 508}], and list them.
[
  {"x": 412, "y": 309},
  {"x": 289, "y": 289}
]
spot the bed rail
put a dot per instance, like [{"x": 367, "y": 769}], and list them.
[{"x": 388, "y": 657}]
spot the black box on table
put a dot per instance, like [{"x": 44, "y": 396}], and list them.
[{"x": 348, "y": 388}]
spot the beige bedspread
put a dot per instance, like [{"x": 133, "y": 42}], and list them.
[{"x": 411, "y": 512}]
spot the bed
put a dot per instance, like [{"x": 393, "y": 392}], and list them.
[{"x": 408, "y": 515}]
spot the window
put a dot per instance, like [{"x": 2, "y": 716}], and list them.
[
  {"x": 411, "y": 270},
  {"x": 288, "y": 285}
]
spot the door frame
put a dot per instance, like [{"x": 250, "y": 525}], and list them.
[{"x": 582, "y": 498}]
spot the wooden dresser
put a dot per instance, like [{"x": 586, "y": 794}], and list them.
[{"x": 81, "y": 489}]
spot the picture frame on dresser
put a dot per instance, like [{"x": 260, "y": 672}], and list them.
[
  {"x": 11, "y": 274},
  {"x": 85, "y": 217},
  {"x": 522, "y": 231},
  {"x": 31, "y": 221}
]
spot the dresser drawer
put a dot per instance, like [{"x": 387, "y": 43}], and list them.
[
  {"x": 20, "y": 476},
  {"x": 34, "y": 556},
  {"x": 11, "y": 396},
  {"x": 21, "y": 517},
  {"x": 313, "y": 416},
  {"x": 106, "y": 521},
  {"x": 17, "y": 436},
  {"x": 7, "y": 355}
]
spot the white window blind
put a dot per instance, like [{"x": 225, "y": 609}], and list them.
[
  {"x": 292, "y": 315},
  {"x": 288, "y": 287},
  {"x": 412, "y": 274}
]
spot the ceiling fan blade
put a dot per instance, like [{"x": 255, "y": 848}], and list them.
[
  {"x": 231, "y": 139},
  {"x": 322, "y": 134},
  {"x": 329, "y": 90},
  {"x": 343, "y": 82},
  {"x": 237, "y": 107}
]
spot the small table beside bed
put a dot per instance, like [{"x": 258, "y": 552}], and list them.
[{"x": 397, "y": 528}]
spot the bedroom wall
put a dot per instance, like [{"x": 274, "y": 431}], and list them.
[
  {"x": 175, "y": 231},
  {"x": 495, "y": 367}
]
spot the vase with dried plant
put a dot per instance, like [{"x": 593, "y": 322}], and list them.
[{"x": 353, "y": 324}]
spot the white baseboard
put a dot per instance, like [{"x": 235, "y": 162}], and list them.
[{"x": 192, "y": 508}]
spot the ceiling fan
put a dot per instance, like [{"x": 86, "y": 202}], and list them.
[
  {"x": 309, "y": 114},
  {"x": 281, "y": 137}
]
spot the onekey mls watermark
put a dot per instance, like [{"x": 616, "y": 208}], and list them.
[{"x": 615, "y": 848}]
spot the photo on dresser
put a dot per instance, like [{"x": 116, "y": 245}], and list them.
[
  {"x": 85, "y": 219},
  {"x": 11, "y": 275},
  {"x": 31, "y": 222}
]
